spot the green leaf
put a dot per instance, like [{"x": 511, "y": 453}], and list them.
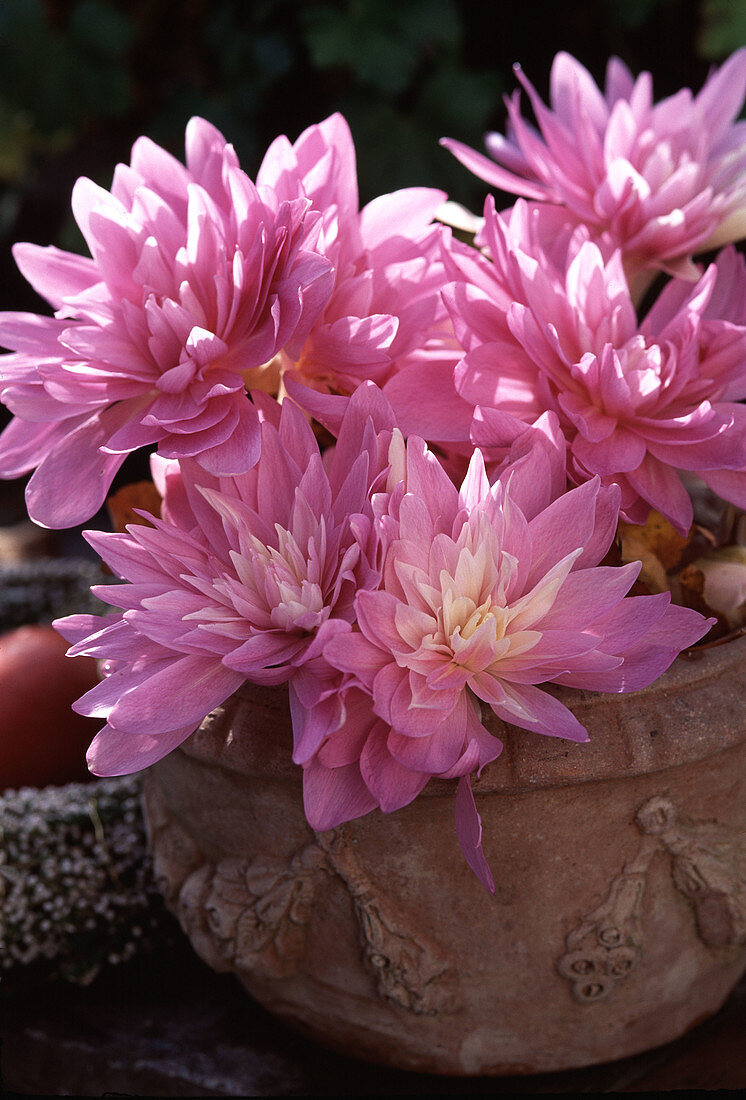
[
  {"x": 458, "y": 100},
  {"x": 99, "y": 30},
  {"x": 723, "y": 28}
]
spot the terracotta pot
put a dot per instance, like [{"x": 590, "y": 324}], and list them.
[{"x": 620, "y": 915}]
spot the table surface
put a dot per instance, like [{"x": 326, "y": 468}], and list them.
[{"x": 171, "y": 1027}]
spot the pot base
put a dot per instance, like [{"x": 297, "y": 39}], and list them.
[{"x": 618, "y": 922}]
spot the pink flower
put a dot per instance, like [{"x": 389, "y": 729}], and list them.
[
  {"x": 242, "y": 579},
  {"x": 385, "y": 309},
  {"x": 549, "y": 325},
  {"x": 660, "y": 181},
  {"x": 486, "y": 593},
  {"x": 198, "y": 278}
]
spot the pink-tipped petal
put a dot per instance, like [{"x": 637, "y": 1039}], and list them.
[{"x": 469, "y": 832}]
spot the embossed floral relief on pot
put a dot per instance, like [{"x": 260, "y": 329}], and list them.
[
  {"x": 708, "y": 867},
  {"x": 251, "y": 916}
]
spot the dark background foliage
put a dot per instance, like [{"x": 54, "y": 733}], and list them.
[{"x": 81, "y": 79}]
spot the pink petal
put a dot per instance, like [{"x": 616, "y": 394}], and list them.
[
  {"x": 72, "y": 480},
  {"x": 113, "y": 752},
  {"x": 240, "y": 451},
  {"x": 24, "y": 445},
  {"x": 533, "y": 709},
  {"x": 469, "y": 832},
  {"x": 661, "y": 487},
  {"x": 162, "y": 704},
  {"x": 391, "y": 783},
  {"x": 492, "y": 173},
  {"x": 444, "y": 416},
  {"x": 54, "y": 274},
  {"x": 332, "y": 796}
]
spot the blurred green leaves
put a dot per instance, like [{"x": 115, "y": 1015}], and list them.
[
  {"x": 399, "y": 73},
  {"x": 403, "y": 82},
  {"x": 633, "y": 13},
  {"x": 382, "y": 45},
  {"x": 53, "y": 77},
  {"x": 80, "y": 79},
  {"x": 723, "y": 28}
]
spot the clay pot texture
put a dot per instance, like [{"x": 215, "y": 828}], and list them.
[{"x": 619, "y": 919}]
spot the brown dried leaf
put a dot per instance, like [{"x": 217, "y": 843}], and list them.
[
  {"x": 121, "y": 505},
  {"x": 723, "y": 575},
  {"x": 659, "y": 547},
  {"x": 652, "y": 576},
  {"x": 688, "y": 589},
  {"x": 693, "y": 580},
  {"x": 660, "y": 537}
]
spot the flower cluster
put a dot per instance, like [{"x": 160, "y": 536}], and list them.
[
  {"x": 658, "y": 181},
  {"x": 242, "y": 578},
  {"x": 203, "y": 285},
  {"x": 547, "y": 323},
  {"x": 391, "y": 464},
  {"x": 393, "y": 604}
]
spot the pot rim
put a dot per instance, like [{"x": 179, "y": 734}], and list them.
[{"x": 695, "y": 709}]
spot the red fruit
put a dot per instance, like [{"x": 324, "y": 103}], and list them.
[{"x": 41, "y": 739}]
